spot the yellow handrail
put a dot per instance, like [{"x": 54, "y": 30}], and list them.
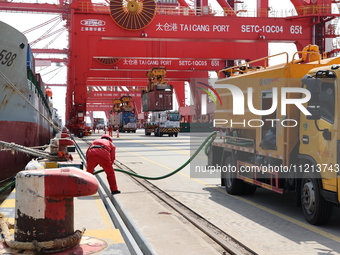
[{"x": 246, "y": 65}]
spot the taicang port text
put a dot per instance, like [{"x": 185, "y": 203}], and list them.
[
  {"x": 304, "y": 168},
  {"x": 253, "y": 123}
]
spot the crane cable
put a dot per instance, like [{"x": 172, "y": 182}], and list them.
[{"x": 206, "y": 142}]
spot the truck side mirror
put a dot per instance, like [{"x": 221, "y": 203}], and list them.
[{"x": 327, "y": 135}]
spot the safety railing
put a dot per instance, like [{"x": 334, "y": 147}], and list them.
[
  {"x": 316, "y": 56},
  {"x": 306, "y": 56},
  {"x": 244, "y": 68},
  {"x": 315, "y": 10}
]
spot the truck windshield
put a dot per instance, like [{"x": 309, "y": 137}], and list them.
[
  {"x": 327, "y": 99},
  {"x": 174, "y": 117}
]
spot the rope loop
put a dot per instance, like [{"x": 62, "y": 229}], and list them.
[{"x": 45, "y": 247}]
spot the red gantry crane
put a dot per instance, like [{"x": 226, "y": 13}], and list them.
[{"x": 113, "y": 44}]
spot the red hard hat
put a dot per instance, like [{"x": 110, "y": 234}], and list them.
[{"x": 107, "y": 137}]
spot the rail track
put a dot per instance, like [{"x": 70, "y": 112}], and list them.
[{"x": 227, "y": 243}]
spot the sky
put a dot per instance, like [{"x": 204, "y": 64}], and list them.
[{"x": 56, "y": 74}]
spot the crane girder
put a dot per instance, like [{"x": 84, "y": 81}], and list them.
[
  {"x": 132, "y": 64},
  {"x": 208, "y": 28},
  {"x": 140, "y": 83},
  {"x": 141, "y": 75},
  {"x": 188, "y": 44},
  {"x": 173, "y": 50},
  {"x": 178, "y": 43}
]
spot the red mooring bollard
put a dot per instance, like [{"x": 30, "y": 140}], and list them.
[
  {"x": 65, "y": 130},
  {"x": 63, "y": 135},
  {"x": 63, "y": 143},
  {"x": 44, "y": 202}
]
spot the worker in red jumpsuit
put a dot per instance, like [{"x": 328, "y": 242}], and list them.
[{"x": 102, "y": 152}]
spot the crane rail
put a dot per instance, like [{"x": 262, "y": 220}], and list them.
[
  {"x": 134, "y": 240},
  {"x": 229, "y": 244}
]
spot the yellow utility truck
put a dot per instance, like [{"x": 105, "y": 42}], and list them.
[{"x": 279, "y": 130}]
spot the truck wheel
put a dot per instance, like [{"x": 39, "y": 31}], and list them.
[
  {"x": 233, "y": 185},
  {"x": 222, "y": 181},
  {"x": 316, "y": 209},
  {"x": 176, "y": 134}
]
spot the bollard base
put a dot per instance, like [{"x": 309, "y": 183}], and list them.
[
  {"x": 77, "y": 164},
  {"x": 88, "y": 245}
]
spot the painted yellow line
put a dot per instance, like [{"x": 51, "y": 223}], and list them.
[
  {"x": 163, "y": 147},
  {"x": 103, "y": 213},
  {"x": 8, "y": 203},
  {"x": 168, "y": 148},
  {"x": 112, "y": 234},
  {"x": 278, "y": 214},
  {"x": 153, "y": 162}
]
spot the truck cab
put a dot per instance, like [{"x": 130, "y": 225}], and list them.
[{"x": 163, "y": 122}]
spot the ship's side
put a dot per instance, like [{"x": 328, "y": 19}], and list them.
[{"x": 25, "y": 110}]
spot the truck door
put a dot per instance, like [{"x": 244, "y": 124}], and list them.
[
  {"x": 268, "y": 127},
  {"x": 319, "y": 145},
  {"x": 319, "y": 138}
]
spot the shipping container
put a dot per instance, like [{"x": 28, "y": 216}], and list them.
[
  {"x": 157, "y": 100},
  {"x": 114, "y": 119},
  {"x": 30, "y": 59},
  {"x": 127, "y": 122},
  {"x": 127, "y": 117}
]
